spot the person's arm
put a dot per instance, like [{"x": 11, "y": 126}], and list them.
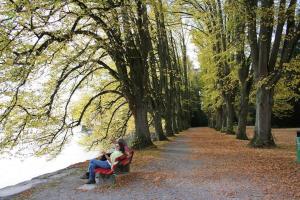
[
  {"x": 128, "y": 151},
  {"x": 107, "y": 157},
  {"x": 100, "y": 155}
]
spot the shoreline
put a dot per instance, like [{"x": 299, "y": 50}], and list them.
[{"x": 13, "y": 190}]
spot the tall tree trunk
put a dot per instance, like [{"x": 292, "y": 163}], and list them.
[
  {"x": 180, "y": 112},
  {"x": 165, "y": 64},
  {"x": 142, "y": 133},
  {"x": 168, "y": 117},
  {"x": 219, "y": 113},
  {"x": 230, "y": 115},
  {"x": 186, "y": 97},
  {"x": 174, "y": 82},
  {"x": 243, "y": 112},
  {"x": 178, "y": 84},
  {"x": 136, "y": 57},
  {"x": 244, "y": 74},
  {"x": 156, "y": 94},
  {"x": 263, "y": 135},
  {"x": 224, "y": 118},
  {"x": 211, "y": 120},
  {"x": 158, "y": 126},
  {"x": 172, "y": 98},
  {"x": 246, "y": 79}
]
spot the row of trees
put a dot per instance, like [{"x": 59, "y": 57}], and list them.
[
  {"x": 106, "y": 63},
  {"x": 98, "y": 63},
  {"x": 247, "y": 55}
]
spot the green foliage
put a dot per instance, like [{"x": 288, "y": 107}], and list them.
[
  {"x": 69, "y": 63},
  {"x": 108, "y": 118},
  {"x": 287, "y": 91},
  {"x": 221, "y": 37},
  {"x": 46, "y": 67}
]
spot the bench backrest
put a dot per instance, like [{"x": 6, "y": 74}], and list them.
[
  {"x": 125, "y": 159},
  {"x": 128, "y": 159}
]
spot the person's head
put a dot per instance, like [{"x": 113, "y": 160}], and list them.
[
  {"x": 121, "y": 140},
  {"x": 120, "y": 146}
]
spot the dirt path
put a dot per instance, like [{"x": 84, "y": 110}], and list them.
[{"x": 195, "y": 165}]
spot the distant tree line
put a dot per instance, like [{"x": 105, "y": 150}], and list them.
[{"x": 248, "y": 59}]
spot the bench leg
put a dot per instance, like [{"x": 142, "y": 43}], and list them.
[
  {"x": 106, "y": 179},
  {"x": 127, "y": 168}
]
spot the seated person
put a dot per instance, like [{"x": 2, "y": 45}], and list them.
[
  {"x": 106, "y": 164},
  {"x": 103, "y": 156},
  {"x": 128, "y": 151}
]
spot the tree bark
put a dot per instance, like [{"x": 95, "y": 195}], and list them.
[
  {"x": 165, "y": 64},
  {"x": 224, "y": 119},
  {"x": 136, "y": 56},
  {"x": 260, "y": 53},
  {"x": 158, "y": 126},
  {"x": 263, "y": 135},
  {"x": 244, "y": 74},
  {"x": 243, "y": 112},
  {"x": 219, "y": 114},
  {"x": 186, "y": 96},
  {"x": 230, "y": 115},
  {"x": 142, "y": 134},
  {"x": 156, "y": 94},
  {"x": 168, "y": 119}
]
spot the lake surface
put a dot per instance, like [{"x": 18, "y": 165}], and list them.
[{"x": 15, "y": 170}]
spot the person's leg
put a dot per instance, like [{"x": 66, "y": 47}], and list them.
[
  {"x": 101, "y": 164},
  {"x": 93, "y": 165},
  {"x": 87, "y": 173}
]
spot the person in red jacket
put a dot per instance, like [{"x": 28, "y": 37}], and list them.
[
  {"x": 102, "y": 161},
  {"x": 128, "y": 151},
  {"x": 105, "y": 164}
]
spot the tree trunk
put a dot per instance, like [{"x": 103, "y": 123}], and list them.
[
  {"x": 230, "y": 115},
  {"x": 175, "y": 82},
  {"x": 211, "y": 121},
  {"x": 219, "y": 114},
  {"x": 224, "y": 119},
  {"x": 155, "y": 101},
  {"x": 165, "y": 64},
  {"x": 168, "y": 122},
  {"x": 244, "y": 74},
  {"x": 180, "y": 112},
  {"x": 243, "y": 113},
  {"x": 142, "y": 133},
  {"x": 168, "y": 114},
  {"x": 262, "y": 133},
  {"x": 158, "y": 126},
  {"x": 171, "y": 104},
  {"x": 175, "y": 125},
  {"x": 260, "y": 53},
  {"x": 186, "y": 96}
]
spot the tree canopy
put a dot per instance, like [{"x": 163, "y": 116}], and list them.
[
  {"x": 117, "y": 67},
  {"x": 91, "y": 63}
]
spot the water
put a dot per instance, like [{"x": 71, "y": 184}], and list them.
[{"x": 13, "y": 171}]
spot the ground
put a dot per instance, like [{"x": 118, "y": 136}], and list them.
[{"x": 199, "y": 163}]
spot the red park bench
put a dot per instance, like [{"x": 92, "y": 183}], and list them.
[{"x": 122, "y": 167}]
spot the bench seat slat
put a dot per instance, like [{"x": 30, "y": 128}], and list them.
[{"x": 104, "y": 171}]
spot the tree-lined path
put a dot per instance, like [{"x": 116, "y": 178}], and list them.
[{"x": 199, "y": 163}]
